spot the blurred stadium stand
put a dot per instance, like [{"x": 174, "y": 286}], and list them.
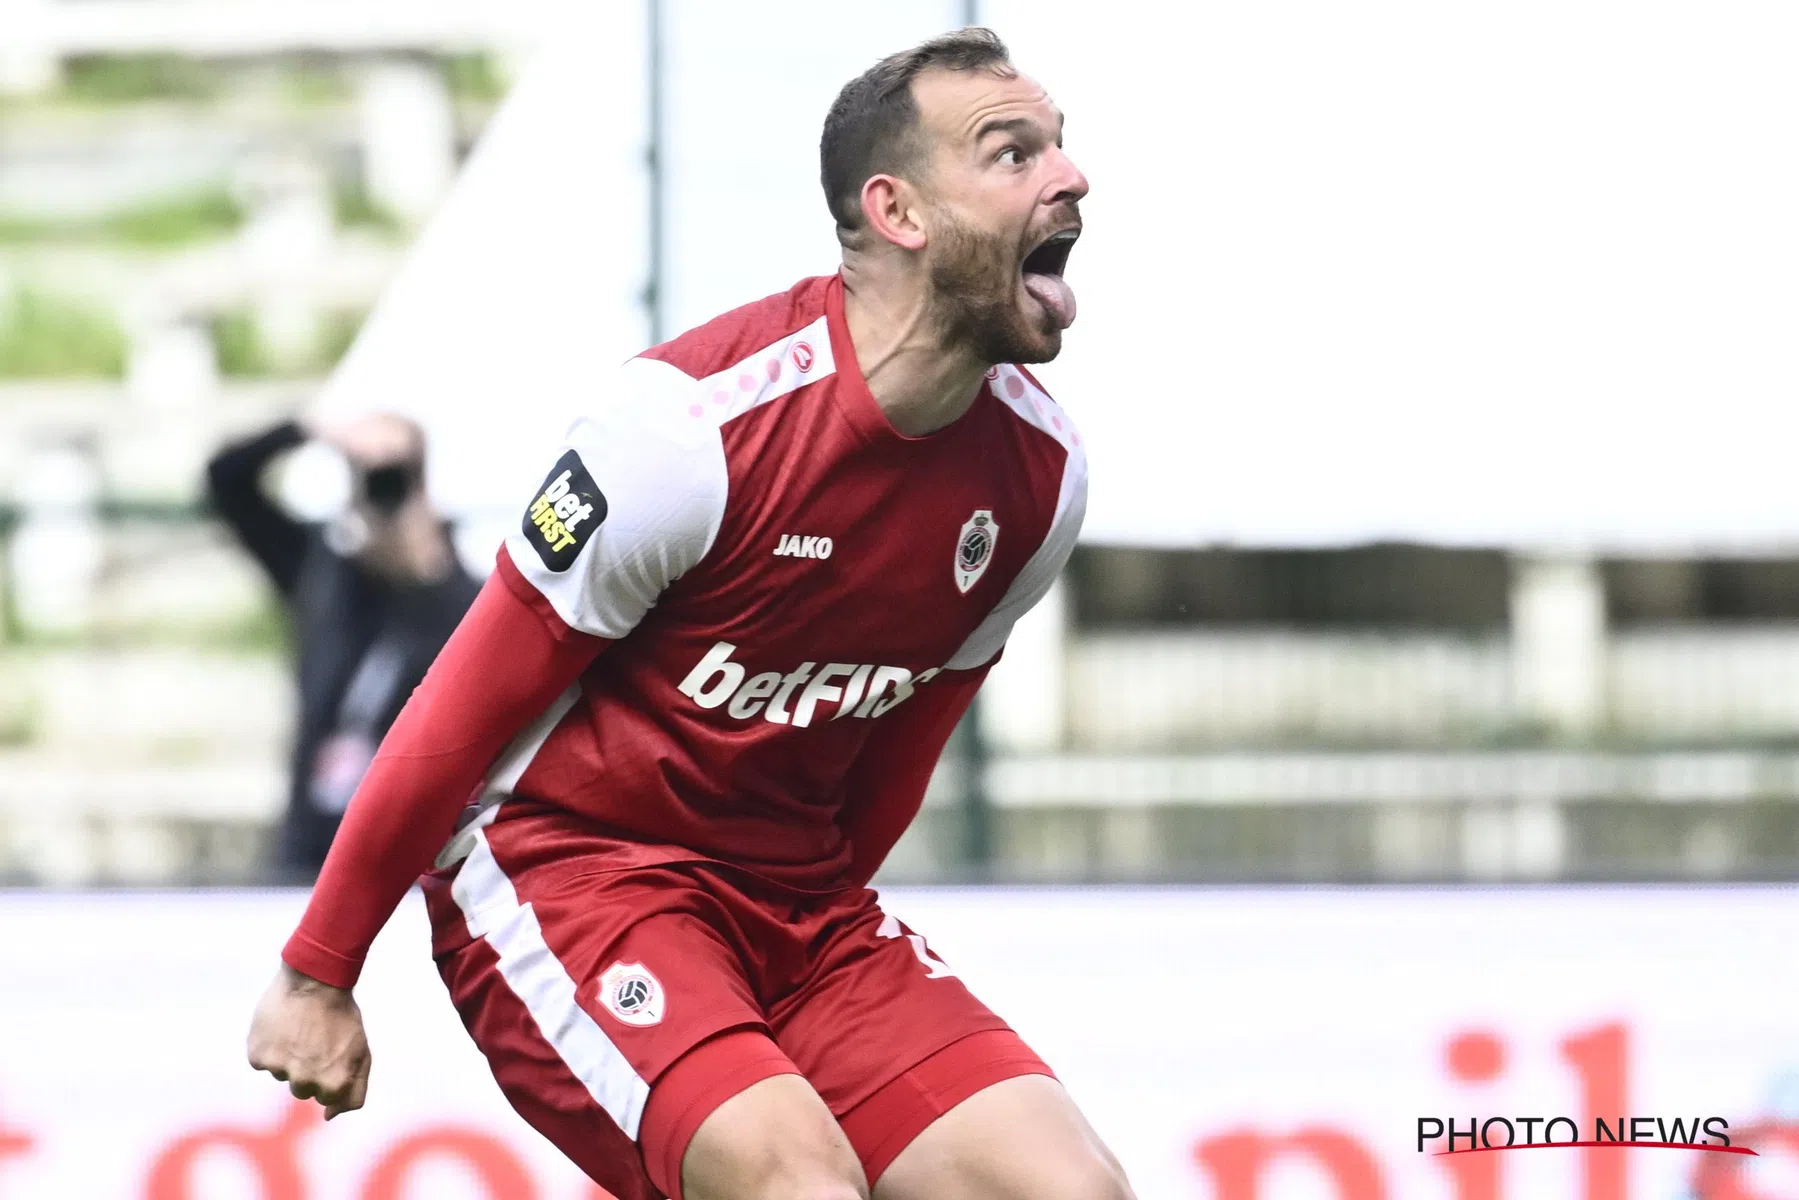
[{"x": 199, "y": 202}]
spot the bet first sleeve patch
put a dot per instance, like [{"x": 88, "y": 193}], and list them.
[{"x": 568, "y": 508}]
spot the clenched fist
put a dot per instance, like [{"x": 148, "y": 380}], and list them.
[{"x": 309, "y": 1035}]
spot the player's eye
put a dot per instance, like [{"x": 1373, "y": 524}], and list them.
[{"x": 1011, "y": 156}]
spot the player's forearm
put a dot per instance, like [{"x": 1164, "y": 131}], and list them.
[
  {"x": 500, "y": 669},
  {"x": 389, "y": 836}
]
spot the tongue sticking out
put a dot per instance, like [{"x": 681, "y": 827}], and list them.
[{"x": 1053, "y": 292}]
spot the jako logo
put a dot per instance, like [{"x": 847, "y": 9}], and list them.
[
  {"x": 794, "y": 546},
  {"x": 866, "y": 690}
]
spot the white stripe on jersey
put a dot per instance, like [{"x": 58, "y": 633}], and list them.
[
  {"x": 1034, "y": 406},
  {"x": 537, "y": 977},
  {"x": 509, "y": 768},
  {"x": 504, "y": 775},
  {"x": 1037, "y": 407},
  {"x": 802, "y": 357}
]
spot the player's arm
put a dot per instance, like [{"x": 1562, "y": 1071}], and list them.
[
  {"x": 580, "y": 571},
  {"x": 499, "y": 670}
]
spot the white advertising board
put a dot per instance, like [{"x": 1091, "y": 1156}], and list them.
[{"x": 1229, "y": 1044}]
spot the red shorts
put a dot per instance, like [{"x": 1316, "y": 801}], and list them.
[{"x": 618, "y": 1007}]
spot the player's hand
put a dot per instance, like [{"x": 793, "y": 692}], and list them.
[{"x": 309, "y": 1035}]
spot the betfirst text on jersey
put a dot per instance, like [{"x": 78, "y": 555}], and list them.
[
  {"x": 866, "y": 689},
  {"x": 568, "y": 508}
]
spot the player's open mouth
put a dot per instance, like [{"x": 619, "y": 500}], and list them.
[{"x": 1042, "y": 271}]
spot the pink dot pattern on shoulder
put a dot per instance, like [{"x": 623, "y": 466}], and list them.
[
  {"x": 721, "y": 397},
  {"x": 746, "y": 382},
  {"x": 774, "y": 369},
  {"x": 1014, "y": 386},
  {"x": 694, "y": 410}
]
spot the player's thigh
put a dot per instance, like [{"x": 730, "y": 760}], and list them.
[
  {"x": 595, "y": 1127},
  {"x": 887, "y": 1033},
  {"x": 774, "y": 1140},
  {"x": 584, "y": 988},
  {"x": 1018, "y": 1139}
]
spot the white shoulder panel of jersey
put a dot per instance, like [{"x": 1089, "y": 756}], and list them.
[
  {"x": 633, "y": 501},
  {"x": 802, "y": 357},
  {"x": 1034, "y": 406}
]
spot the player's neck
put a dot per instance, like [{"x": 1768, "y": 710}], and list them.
[{"x": 921, "y": 383}]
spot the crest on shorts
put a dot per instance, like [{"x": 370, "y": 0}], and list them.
[
  {"x": 632, "y": 994},
  {"x": 974, "y": 548}
]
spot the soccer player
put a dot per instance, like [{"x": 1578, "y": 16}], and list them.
[{"x": 654, "y": 769}]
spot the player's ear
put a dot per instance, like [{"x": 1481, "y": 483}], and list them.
[{"x": 890, "y": 208}]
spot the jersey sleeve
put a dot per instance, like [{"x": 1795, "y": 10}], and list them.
[
  {"x": 633, "y": 499},
  {"x": 501, "y": 668},
  {"x": 1040, "y": 571}
]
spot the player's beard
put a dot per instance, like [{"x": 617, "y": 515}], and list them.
[{"x": 977, "y": 283}]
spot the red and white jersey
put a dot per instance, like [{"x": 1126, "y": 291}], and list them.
[{"x": 780, "y": 570}]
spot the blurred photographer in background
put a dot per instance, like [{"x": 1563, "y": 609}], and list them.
[{"x": 372, "y": 594}]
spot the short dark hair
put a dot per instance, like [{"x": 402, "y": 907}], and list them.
[{"x": 872, "y": 124}]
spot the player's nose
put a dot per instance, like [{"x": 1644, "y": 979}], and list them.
[{"x": 1069, "y": 183}]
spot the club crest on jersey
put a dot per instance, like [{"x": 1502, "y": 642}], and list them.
[
  {"x": 568, "y": 508},
  {"x": 974, "y": 548},
  {"x": 632, "y": 994}
]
